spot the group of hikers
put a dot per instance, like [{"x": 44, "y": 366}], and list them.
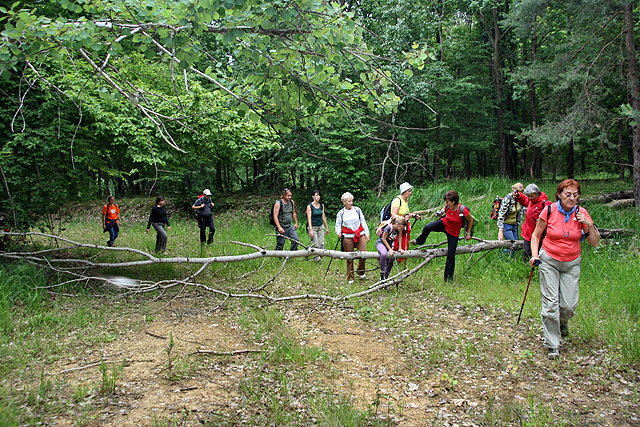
[{"x": 551, "y": 234}]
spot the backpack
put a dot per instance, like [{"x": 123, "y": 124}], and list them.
[
  {"x": 464, "y": 220},
  {"x": 381, "y": 226},
  {"x": 495, "y": 209},
  {"x": 385, "y": 213},
  {"x": 272, "y": 221}
]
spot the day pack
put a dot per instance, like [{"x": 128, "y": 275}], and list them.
[
  {"x": 272, "y": 222},
  {"x": 495, "y": 208},
  {"x": 271, "y": 219},
  {"x": 385, "y": 213},
  {"x": 464, "y": 220},
  {"x": 381, "y": 226}
]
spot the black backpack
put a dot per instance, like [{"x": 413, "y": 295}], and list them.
[
  {"x": 272, "y": 221},
  {"x": 385, "y": 213}
]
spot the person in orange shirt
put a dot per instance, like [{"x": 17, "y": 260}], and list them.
[
  {"x": 111, "y": 219},
  {"x": 566, "y": 225}
]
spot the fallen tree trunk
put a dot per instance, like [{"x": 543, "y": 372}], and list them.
[
  {"x": 622, "y": 203},
  {"x": 80, "y": 263},
  {"x": 615, "y": 232},
  {"x": 607, "y": 197}
]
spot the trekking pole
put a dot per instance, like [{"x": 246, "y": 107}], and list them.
[
  {"x": 535, "y": 264},
  {"x": 330, "y": 260}
]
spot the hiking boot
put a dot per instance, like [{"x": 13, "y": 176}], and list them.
[
  {"x": 109, "y": 243},
  {"x": 553, "y": 353},
  {"x": 564, "y": 330}
]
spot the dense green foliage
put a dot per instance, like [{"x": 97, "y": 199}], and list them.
[{"x": 165, "y": 97}]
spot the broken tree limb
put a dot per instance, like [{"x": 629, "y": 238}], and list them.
[
  {"x": 607, "y": 197},
  {"x": 621, "y": 203},
  {"x": 149, "y": 259},
  {"x": 615, "y": 232}
]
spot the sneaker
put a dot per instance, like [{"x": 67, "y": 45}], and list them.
[
  {"x": 362, "y": 276},
  {"x": 564, "y": 330},
  {"x": 109, "y": 243},
  {"x": 554, "y": 353},
  {"x": 414, "y": 242},
  {"x": 350, "y": 281}
]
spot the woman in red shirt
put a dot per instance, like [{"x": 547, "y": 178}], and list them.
[
  {"x": 450, "y": 224},
  {"x": 566, "y": 224},
  {"x": 534, "y": 200}
]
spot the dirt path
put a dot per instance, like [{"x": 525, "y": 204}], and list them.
[{"x": 422, "y": 361}]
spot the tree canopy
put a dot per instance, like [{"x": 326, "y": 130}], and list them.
[{"x": 160, "y": 96}]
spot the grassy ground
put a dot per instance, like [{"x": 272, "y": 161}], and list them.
[{"x": 313, "y": 358}]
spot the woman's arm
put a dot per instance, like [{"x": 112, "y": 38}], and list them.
[
  {"x": 535, "y": 240},
  {"x": 324, "y": 219},
  {"x": 308, "y": 212},
  {"x": 385, "y": 236},
  {"x": 594, "y": 235},
  {"x": 339, "y": 223},
  {"x": 467, "y": 232}
]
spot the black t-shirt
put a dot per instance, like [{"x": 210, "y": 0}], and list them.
[{"x": 158, "y": 214}]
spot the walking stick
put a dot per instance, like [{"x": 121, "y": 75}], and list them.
[
  {"x": 329, "y": 266},
  {"x": 535, "y": 263}
]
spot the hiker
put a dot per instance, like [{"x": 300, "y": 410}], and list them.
[
  {"x": 400, "y": 208},
  {"x": 110, "y": 219},
  {"x": 316, "y": 222},
  {"x": 534, "y": 200},
  {"x": 385, "y": 244},
  {"x": 352, "y": 228},
  {"x": 451, "y": 222},
  {"x": 203, "y": 206},
  {"x": 566, "y": 225},
  {"x": 286, "y": 221},
  {"x": 510, "y": 216},
  {"x": 158, "y": 219}
]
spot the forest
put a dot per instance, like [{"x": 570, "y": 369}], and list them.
[
  {"x": 155, "y": 97},
  {"x": 140, "y": 99}
]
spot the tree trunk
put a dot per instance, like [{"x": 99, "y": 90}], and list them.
[
  {"x": 497, "y": 82},
  {"x": 634, "y": 89},
  {"x": 467, "y": 164},
  {"x": 219, "y": 176},
  {"x": 449, "y": 171},
  {"x": 620, "y": 151},
  {"x": 571, "y": 159},
  {"x": 293, "y": 177},
  {"x": 535, "y": 170}
]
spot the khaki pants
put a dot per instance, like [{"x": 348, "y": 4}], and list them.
[
  {"x": 558, "y": 294},
  {"x": 348, "y": 245}
]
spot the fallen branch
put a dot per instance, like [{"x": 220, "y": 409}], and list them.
[
  {"x": 226, "y": 353},
  {"x": 607, "y": 197},
  {"x": 91, "y": 365}
]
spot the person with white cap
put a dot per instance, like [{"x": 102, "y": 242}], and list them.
[
  {"x": 203, "y": 206},
  {"x": 534, "y": 200},
  {"x": 400, "y": 208}
]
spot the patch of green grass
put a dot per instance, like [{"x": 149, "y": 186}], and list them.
[
  {"x": 110, "y": 376},
  {"x": 337, "y": 410}
]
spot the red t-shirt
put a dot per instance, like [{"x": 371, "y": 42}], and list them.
[
  {"x": 453, "y": 222},
  {"x": 111, "y": 211},
  {"x": 562, "y": 241}
]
